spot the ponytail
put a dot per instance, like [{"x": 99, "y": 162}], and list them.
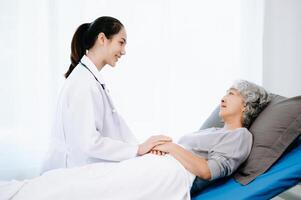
[
  {"x": 78, "y": 47},
  {"x": 86, "y": 35}
]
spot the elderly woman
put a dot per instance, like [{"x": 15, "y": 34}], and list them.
[
  {"x": 207, "y": 154},
  {"x": 217, "y": 152}
]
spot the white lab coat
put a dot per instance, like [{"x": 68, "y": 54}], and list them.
[{"x": 87, "y": 128}]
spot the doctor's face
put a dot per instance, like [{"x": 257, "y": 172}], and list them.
[
  {"x": 232, "y": 104},
  {"x": 116, "y": 47}
]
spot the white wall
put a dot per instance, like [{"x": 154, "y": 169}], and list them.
[
  {"x": 282, "y": 47},
  {"x": 252, "y": 12},
  {"x": 181, "y": 57}
]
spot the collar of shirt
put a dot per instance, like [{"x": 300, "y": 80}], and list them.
[{"x": 86, "y": 60}]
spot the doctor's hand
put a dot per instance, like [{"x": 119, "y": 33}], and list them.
[
  {"x": 151, "y": 142},
  {"x": 165, "y": 148}
]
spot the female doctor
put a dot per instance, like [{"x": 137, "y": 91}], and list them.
[{"x": 87, "y": 128}]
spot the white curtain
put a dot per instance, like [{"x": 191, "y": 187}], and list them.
[{"x": 181, "y": 57}]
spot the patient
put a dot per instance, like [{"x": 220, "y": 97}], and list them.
[
  {"x": 208, "y": 154},
  {"x": 217, "y": 152}
]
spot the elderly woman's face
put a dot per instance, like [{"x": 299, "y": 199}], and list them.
[{"x": 232, "y": 104}]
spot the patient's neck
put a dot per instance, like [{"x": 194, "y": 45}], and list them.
[{"x": 232, "y": 124}]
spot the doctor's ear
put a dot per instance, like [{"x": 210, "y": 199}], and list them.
[{"x": 101, "y": 38}]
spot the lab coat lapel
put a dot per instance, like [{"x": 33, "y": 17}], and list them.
[
  {"x": 100, "y": 79},
  {"x": 109, "y": 98}
]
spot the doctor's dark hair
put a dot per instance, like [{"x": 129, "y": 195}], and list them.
[{"x": 86, "y": 35}]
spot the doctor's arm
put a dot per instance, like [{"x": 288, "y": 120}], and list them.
[
  {"x": 83, "y": 124},
  {"x": 195, "y": 164}
]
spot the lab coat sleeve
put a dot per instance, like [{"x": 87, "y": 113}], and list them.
[{"x": 83, "y": 107}]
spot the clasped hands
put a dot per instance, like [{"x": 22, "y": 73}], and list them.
[{"x": 158, "y": 145}]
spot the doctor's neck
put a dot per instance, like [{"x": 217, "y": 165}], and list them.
[{"x": 96, "y": 59}]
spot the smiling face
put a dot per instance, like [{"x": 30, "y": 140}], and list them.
[
  {"x": 115, "y": 47},
  {"x": 232, "y": 105}
]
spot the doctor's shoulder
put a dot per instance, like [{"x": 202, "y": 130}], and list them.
[
  {"x": 80, "y": 83},
  {"x": 79, "y": 78}
]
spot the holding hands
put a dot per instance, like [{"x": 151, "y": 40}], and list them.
[
  {"x": 163, "y": 149},
  {"x": 153, "y": 142}
]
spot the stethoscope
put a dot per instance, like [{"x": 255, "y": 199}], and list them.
[{"x": 103, "y": 87}]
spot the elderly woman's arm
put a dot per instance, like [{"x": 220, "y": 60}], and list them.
[{"x": 195, "y": 164}]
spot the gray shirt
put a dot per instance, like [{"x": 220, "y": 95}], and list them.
[{"x": 224, "y": 149}]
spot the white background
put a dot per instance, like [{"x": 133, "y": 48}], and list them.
[{"x": 181, "y": 57}]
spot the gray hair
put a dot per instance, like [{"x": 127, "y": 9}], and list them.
[{"x": 256, "y": 98}]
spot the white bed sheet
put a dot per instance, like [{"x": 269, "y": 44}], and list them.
[{"x": 148, "y": 177}]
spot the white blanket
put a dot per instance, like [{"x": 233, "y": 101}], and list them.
[{"x": 148, "y": 177}]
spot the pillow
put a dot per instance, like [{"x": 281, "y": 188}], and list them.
[
  {"x": 213, "y": 120},
  {"x": 276, "y": 127},
  {"x": 283, "y": 175}
]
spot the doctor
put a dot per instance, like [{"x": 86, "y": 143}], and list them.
[{"x": 87, "y": 127}]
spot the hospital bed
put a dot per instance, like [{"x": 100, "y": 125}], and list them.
[{"x": 285, "y": 174}]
